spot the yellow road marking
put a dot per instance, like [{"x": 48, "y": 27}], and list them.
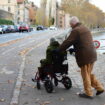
[
  {"x": 13, "y": 41},
  {"x": 25, "y": 51}
]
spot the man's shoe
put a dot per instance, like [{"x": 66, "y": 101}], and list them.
[
  {"x": 99, "y": 92},
  {"x": 83, "y": 95}
]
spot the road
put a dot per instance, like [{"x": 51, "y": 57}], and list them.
[
  {"x": 11, "y": 57},
  {"x": 13, "y": 36},
  {"x": 19, "y": 59}
]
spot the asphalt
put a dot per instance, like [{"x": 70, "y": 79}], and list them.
[
  {"x": 29, "y": 94},
  {"x": 13, "y": 36},
  {"x": 11, "y": 61},
  {"x": 19, "y": 62}
]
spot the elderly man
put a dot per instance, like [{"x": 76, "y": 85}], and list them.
[{"x": 85, "y": 54}]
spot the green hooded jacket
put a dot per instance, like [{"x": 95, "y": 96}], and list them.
[{"x": 54, "y": 45}]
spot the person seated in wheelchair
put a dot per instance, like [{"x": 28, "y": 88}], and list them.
[{"x": 54, "y": 61}]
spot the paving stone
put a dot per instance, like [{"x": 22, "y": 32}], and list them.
[{"x": 98, "y": 70}]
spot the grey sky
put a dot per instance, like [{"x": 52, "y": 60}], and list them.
[{"x": 99, "y": 3}]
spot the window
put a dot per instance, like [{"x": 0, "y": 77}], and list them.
[
  {"x": 60, "y": 22},
  {"x": 61, "y": 18},
  {"x": 9, "y": 9},
  {"x": 18, "y": 18},
  {"x": 9, "y": 1},
  {"x": 18, "y": 12},
  {"x": 18, "y": 6}
]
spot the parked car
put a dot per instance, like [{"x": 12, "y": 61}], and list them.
[
  {"x": 1, "y": 30},
  {"x": 24, "y": 28},
  {"x": 10, "y": 28},
  {"x": 53, "y": 28},
  {"x": 45, "y": 28},
  {"x": 31, "y": 29},
  {"x": 39, "y": 28},
  {"x": 16, "y": 27},
  {"x": 4, "y": 27}
]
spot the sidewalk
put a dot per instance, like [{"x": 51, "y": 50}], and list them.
[{"x": 29, "y": 95}]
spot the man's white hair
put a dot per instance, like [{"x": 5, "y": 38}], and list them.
[{"x": 74, "y": 20}]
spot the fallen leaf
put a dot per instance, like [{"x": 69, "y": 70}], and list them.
[
  {"x": 10, "y": 81},
  {"x": 47, "y": 102},
  {"x": 37, "y": 99},
  {"x": 24, "y": 80},
  {"x": 24, "y": 84},
  {"x": 28, "y": 85},
  {"x": 78, "y": 70},
  {"x": 77, "y": 93},
  {"x": 34, "y": 87},
  {"x": 61, "y": 99},
  {"x": 25, "y": 103},
  {"x": 2, "y": 100}
]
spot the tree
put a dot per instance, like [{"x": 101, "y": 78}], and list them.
[
  {"x": 7, "y": 22},
  {"x": 89, "y": 14},
  {"x": 43, "y": 11},
  {"x": 52, "y": 20}
]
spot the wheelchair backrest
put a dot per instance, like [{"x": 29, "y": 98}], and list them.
[{"x": 58, "y": 58}]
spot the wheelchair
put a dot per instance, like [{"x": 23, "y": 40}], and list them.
[{"x": 53, "y": 74}]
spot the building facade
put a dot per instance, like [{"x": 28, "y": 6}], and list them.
[
  {"x": 6, "y": 15},
  {"x": 18, "y": 8},
  {"x": 67, "y": 20},
  {"x": 43, "y": 12},
  {"x": 62, "y": 19},
  {"x": 51, "y": 10},
  {"x": 22, "y": 12},
  {"x": 9, "y": 6},
  {"x": 32, "y": 13}
]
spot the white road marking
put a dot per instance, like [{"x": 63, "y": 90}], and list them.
[
  {"x": 22, "y": 45},
  {"x": 26, "y": 43},
  {"x": 5, "y": 71},
  {"x": 8, "y": 51},
  {"x": 16, "y": 47},
  {"x": 16, "y": 93},
  {"x": 17, "y": 89}
]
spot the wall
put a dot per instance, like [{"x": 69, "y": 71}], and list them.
[{"x": 6, "y": 15}]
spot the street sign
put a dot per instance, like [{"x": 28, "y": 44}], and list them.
[{"x": 96, "y": 43}]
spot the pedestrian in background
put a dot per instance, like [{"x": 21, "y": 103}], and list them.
[{"x": 85, "y": 53}]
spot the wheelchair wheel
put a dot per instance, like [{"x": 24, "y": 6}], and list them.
[
  {"x": 56, "y": 82},
  {"x": 38, "y": 85},
  {"x": 67, "y": 82},
  {"x": 49, "y": 86}
]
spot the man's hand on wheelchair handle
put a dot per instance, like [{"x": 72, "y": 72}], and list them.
[{"x": 71, "y": 50}]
